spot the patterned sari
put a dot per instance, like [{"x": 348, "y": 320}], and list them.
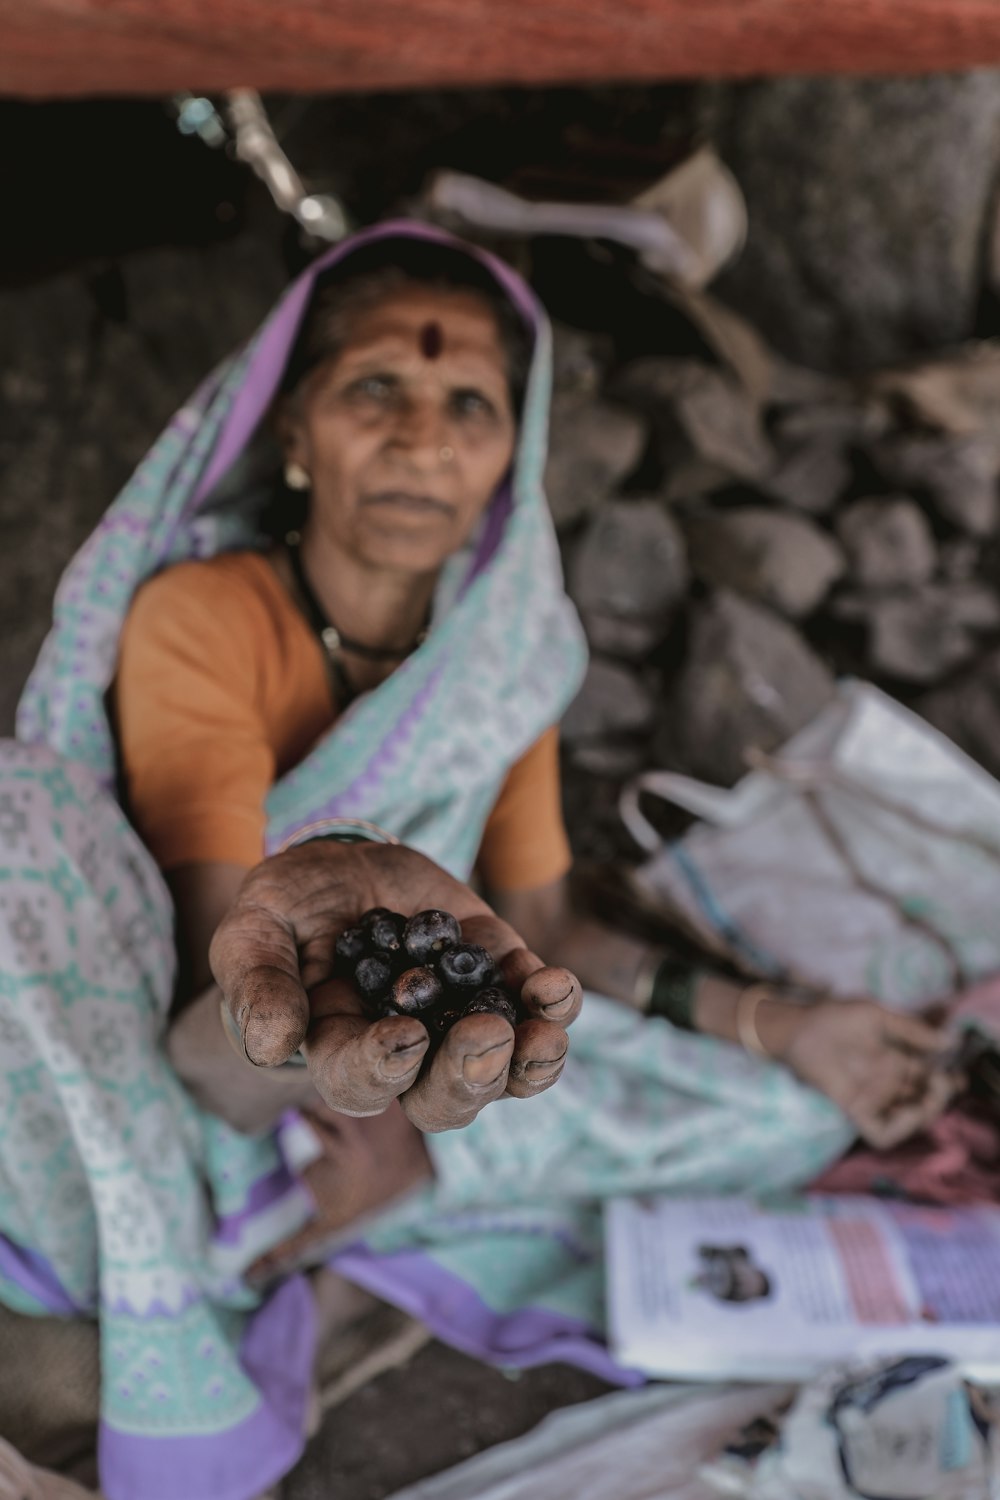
[{"x": 121, "y": 1200}]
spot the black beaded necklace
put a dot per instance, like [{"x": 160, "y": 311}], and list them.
[{"x": 332, "y": 639}]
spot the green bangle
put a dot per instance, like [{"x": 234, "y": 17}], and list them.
[
  {"x": 342, "y": 830},
  {"x": 673, "y": 992}
]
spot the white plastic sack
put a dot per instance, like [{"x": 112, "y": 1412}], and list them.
[
  {"x": 863, "y": 858},
  {"x": 910, "y": 1428},
  {"x": 632, "y": 1445}
]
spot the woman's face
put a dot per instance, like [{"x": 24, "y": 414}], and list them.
[{"x": 407, "y": 432}]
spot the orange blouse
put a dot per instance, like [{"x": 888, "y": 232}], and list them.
[{"x": 222, "y": 688}]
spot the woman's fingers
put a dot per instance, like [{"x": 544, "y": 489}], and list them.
[
  {"x": 254, "y": 959},
  {"x": 468, "y": 1071},
  {"x": 551, "y": 994},
  {"x": 271, "y": 1010},
  {"x": 539, "y": 1058},
  {"x": 358, "y": 1066},
  {"x": 897, "y": 1123},
  {"x": 909, "y": 1031}
]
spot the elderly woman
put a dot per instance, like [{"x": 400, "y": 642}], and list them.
[{"x": 393, "y": 663}]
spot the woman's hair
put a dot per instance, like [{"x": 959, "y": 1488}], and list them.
[{"x": 382, "y": 270}]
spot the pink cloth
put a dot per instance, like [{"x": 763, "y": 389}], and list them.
[{"x": 955, "y": 1161}]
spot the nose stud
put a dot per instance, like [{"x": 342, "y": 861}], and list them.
[{"x": 446, "y": 454}]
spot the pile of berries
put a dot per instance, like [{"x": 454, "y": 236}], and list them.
[{"x": 419, "y": 966}]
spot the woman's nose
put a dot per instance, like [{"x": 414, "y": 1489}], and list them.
[{"x": 420, "y": 433}]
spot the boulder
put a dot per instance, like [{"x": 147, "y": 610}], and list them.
[
  {"x": 920, "y": 635},
  {"x": 699, "y": 410},
  {"x": 779, "y": 559},
  {"x": 612, "y": 701},
  {"x": 593, "y": 446},
  {"x": 749, "y": 680},
  {"x": 811, "y": 476},
  {"x": 967, "y": 710},
  {"x": 888, "y": 542},
  {"x": 958, "y": 474},
  {"x": 868, "y": 204},
  {"x": 627, "y": 575}
]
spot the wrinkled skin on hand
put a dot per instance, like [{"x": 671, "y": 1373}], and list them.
[
  {"x": 273, "y": 958},
  {"x": 883, "y": 1069}
]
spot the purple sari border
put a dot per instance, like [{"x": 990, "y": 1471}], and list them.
[
  {"x": 265, "y": 1192},
  {"x": 237, "y": 1463},
  {"x": 35, "y": 1276},
  {"x": 457, "y": 1315}
]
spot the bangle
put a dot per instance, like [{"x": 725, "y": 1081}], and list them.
[
  {"x": 343, "y": 830},
  {"x": 672, "y": 993},
  {"x": 746, "y": 1018}
]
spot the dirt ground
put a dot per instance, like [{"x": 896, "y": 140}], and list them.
[{"x": 429, "y": 1414}]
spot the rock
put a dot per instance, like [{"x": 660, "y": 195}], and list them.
[
  {"x": 593, "y": 445},
  {"x": 593, "y": 822},
  {"x": 749, "y": 680},
  {"x": 838, "y": 422},
  {"x": 699, "y": 409},
  {"x": 811, "y": 477},
  {"x": 612, "y": 701},
  {"x": 919, "y": 636},
  {"x": 616, "y": 762},
  {"x": 93, "y": 367},
  {"x": 868, "y": 203},
  {"x": 956, "y": 393},
  {"x": 967, "y": 710},
  {"x": 888, "y": 542},
  {"x": 959, "y": 560},
  {"x": 959, "y": 474},
  {"x": 578, "y": 360},
  {"x": 627, "y": 575},
  {"x": 781, "y": 560}
]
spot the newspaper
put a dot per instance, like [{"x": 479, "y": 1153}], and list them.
[{"x": 724, "y": 1289}]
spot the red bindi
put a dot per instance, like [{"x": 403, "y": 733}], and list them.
[{"x": 431, "y": 340}]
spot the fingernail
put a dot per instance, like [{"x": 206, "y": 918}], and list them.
[
  {"x": 538, "y": 1073},
  {"x": 398, "y": 1064},
  {"x": 555, "y": 1005},
  {"x": 475, "y": 1063}
]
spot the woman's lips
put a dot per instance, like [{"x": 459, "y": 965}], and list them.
[{"x": 403, "y": 502}]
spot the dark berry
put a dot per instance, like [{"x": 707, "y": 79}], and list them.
[
  {"x": 386, "y": 933},
  {"x": 430, "y": 933},
  {"x": 440, "y": 1021},
  {"x": 373, "y": 977},
  {"x": 352, "y": 945},
  {"x": 415, "y": 991},
  {"x": 373, "y": 914},
  {"x": 466, "y": 967},
  {"x": 492, "y": 1001}
]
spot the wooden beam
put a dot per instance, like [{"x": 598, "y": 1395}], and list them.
[{"x": 65, "y": 48}]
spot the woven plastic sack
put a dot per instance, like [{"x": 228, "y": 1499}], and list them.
[{"x": 862, "y": 858}]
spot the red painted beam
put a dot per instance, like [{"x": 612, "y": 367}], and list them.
[{"x": 76, "y": 47}]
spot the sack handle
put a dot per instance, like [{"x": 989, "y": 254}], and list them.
[{"x": 803, "y": 776}]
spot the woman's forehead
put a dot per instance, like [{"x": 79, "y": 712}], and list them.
[{"x": 428, "y": 323}]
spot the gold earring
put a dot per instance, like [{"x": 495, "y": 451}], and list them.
[{"x": 296, "y": 477}]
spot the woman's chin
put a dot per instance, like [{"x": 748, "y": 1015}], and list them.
[{"x": 405, "y": 549}]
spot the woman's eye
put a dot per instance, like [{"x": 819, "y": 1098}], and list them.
[
  {"x": 377, "y": 387},
  {"x": 472, "y": 404}
]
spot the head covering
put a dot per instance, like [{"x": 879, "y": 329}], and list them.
[{"x": 424, "y": 754}]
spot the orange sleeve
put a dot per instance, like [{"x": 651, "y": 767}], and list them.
[
  {"x": 196, "y": 759},
  {"x": 525, "y": 843}
]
